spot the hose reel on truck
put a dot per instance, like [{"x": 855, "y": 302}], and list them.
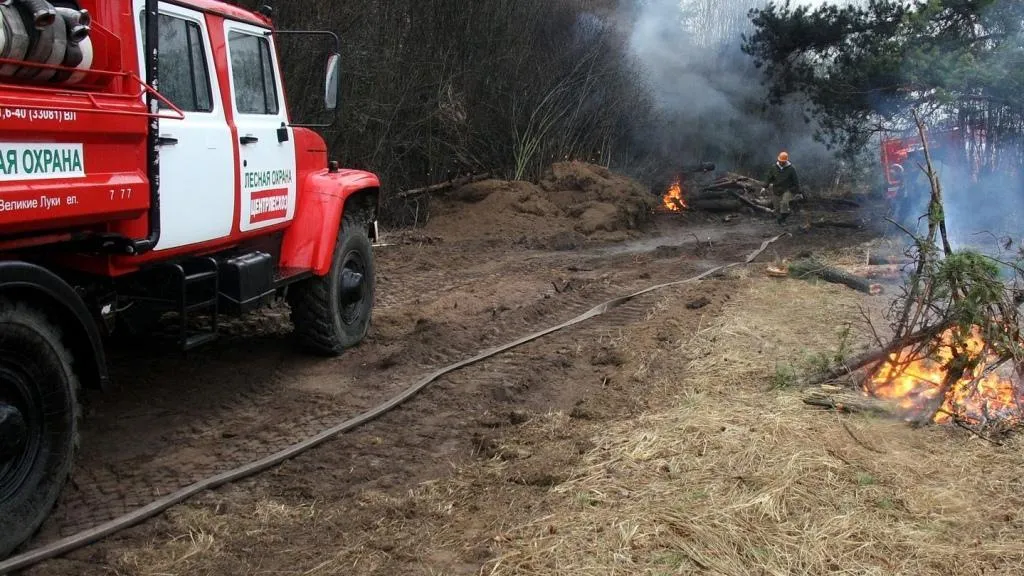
[{"x": 41, "y": 33}]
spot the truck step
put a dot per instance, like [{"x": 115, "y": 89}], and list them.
[
  {"x": 198, "y": 293},
  {"x": 197, "y": 340},
  {"x": 200, "y": 276},
  {"x": 201, "y": 305}
]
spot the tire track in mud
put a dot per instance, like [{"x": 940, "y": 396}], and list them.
[
  {"x": 509, "y": 378},
  {"x": 112, "y": 478}
]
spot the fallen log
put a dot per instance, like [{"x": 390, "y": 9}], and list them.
[
  {"x": 745, "y": 179},
  {"x": 440, "y": 187},
  {"x": 706, "y": 195},
  {"x": 733, "y": 186},
  {"x": 807, "y": 268},
  {"x": 753, "y": 204},
  {"x": 879, "y": 259},
  {"x": 735, "y": 181},
  {"x": 877, "y": 271},
  {"x": 723, "y": 205}
]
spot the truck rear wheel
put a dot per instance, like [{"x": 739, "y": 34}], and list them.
[
  {"x": 332, "y": 312},
  {"x": 38, "y": 421}
]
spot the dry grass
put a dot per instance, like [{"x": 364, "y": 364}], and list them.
[
  {"x": 731, "y": 474},
  {"x": 230, "y": 533},
  {"x": 736, "y": 478}
]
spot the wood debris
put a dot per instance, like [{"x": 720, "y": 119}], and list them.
[
  {"x": 732, "y": 181},
  {"x": 851, "y": 402},
  {"x": 441, "y": 187},
  {"x": 888, "y": 271},
  {"x": 730, "y": 193}
]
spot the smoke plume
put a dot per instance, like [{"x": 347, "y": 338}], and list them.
[
  {"x": 709, "y": 95},
  {"x": 982, "y": 169}
]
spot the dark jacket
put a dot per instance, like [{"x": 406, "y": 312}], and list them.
[{"x": 784, "y": 178}]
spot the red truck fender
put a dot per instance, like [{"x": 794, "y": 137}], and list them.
[{"x": 309, "y": 242}]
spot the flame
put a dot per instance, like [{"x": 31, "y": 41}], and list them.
[
  {"x": 987, "y": 392},
  {"x": 673, "y": 199}
]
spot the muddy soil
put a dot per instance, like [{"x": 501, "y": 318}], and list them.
[
  {"x": 177, "y": 418},
  {"x": 575, "y": 205}
]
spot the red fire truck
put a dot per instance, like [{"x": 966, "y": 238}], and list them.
[
  {"x": 149, "y": 167},
  {"x": 903, "y": 160}
]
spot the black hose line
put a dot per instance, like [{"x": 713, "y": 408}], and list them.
[{"x": 139, "y": 515}]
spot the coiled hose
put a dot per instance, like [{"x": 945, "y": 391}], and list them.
[{"x": 41, "y": 12}]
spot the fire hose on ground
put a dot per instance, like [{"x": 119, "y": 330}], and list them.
[{"x": 93, "y": 535}]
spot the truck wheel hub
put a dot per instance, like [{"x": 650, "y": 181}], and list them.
[
  {"x": 13, "y": 433},
  {"x": 20, "y": 433},
  {"x": 351, "y": 286}
]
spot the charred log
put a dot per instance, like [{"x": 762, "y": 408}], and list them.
[{"x": 716, "y": 205}]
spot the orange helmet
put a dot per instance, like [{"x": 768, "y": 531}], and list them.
[{"x": 784, "y": 157}]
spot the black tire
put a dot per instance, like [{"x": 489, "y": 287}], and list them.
[
  {"x": 37, "y": 380},
  {"x": 325, "y": 321}
]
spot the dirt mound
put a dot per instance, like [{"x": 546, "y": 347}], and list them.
[{"x": 574, "y": 204}]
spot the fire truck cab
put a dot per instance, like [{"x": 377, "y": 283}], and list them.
[
  {"x": 150, "y": 170},
  {"x": 903, "y": 160}
]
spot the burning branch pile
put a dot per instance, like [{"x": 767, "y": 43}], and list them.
[
  {"x": 956, "y": 350},
  {"x": 730, "y": 193},
  {"x": 958, "y": 376},
  {"x": 673, "y": 198}
]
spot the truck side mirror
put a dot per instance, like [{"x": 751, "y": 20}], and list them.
[{"x": 333, "y": 82}]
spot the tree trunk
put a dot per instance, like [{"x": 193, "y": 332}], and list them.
[{"x": 806, "y": 268}]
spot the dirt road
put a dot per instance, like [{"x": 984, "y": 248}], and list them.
[{"x": 178, "y": 418}]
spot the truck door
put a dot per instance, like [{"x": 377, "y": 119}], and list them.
[
  {"x": 266, "y": 144},
  {"x": 197, "y": 177}
]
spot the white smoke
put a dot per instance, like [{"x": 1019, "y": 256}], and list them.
[
  {"x": 983, "y": 184},
  {"x": 708, "y": 90}
]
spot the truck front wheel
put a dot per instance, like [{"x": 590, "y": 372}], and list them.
[
  {"x": 38, "y": 421},
  {"x": 332, "y": 312}
]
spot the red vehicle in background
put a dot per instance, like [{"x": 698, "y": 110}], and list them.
[
  {"x": 149, "y": 165},
  {"x": 903, "y": 160}
]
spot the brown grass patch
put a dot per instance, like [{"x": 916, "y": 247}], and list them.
[{"x": 738, "y": 478}]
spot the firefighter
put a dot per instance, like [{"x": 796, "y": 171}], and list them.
[{"x": 784, "y": 185}]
